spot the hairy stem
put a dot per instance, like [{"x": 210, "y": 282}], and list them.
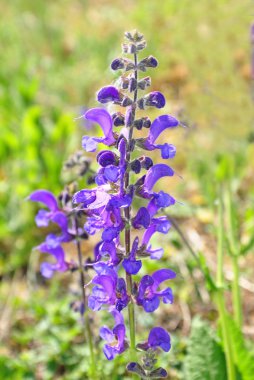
[
  {"x": 219, "y": 296},
  {"x": 87, "y": 327},
  {"x": 127, "y": 213}
]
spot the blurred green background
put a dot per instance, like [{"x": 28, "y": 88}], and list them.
[{"x": 54, "y": 56}]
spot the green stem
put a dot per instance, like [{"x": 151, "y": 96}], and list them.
[
  {"x": 127, "y": 214},
  {"x": 219, "y": 296},
  {"x": 234, "y": 248},
  {"x": 88, "y": 331},
  {"x": 237, "y": 305}
]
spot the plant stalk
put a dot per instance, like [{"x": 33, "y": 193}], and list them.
[
  {"x": 88, "y": 331},
  {"x": 127, "y": 213},
  {"x": 219, "y": 297},
  {"x": 234, "y": 248}
]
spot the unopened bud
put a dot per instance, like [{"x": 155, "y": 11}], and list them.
[{"x": 118, "y": 119}]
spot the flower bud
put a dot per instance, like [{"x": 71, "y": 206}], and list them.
[
  {"x": 135, "y": 166},
  {"x": 132, "y": 84},
  {"x": 118, "y": 119},
  {"x": 144, "y": 83},
  {"x": 129, "y": 48},
  {"x": 153, "y": 99},
  {"x": 105, "y": 158},
  {"x": 146, "y": 162},
  {"x": 147, "y": 62},
  {"x": 134, "y": 36},
  {"x": 144, "y": 122},
  {"x": 141, "y": 45},
  {"x": 108, "y": 94},
  {"x": 126, "y": 101},
  {"x": 117, "y": 64}
]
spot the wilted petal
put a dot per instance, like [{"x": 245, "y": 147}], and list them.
[{"x": 45, "y": 197}]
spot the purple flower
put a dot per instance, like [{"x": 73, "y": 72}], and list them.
[
  {"x": 158, "y": 126},
  {"x": 148, "y": 295},
  {"x": 116, "y": 341},
  {"x": 108, "y": 94},
  {"x": 131, "y": 265},
  {"x": 47, "y": 269},
  {"x": 103, "y": 118},
  {"x": 158, "y": 338},
  {"x": 48, "y": 199},
  {"x": 108, "y": 290}
]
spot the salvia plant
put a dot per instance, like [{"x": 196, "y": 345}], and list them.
[{"x": 107, "y": 209}]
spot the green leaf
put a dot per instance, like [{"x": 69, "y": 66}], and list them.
[
  {"x": 205, "y": 359},
  {"x": 243, "y": 358}
]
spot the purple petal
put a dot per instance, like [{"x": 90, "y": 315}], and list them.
[
  {"x": 110, "y": 234},
  {"x": 47, "y": 270},
  {"x": 117, "y": 316},
  {"x": 145, "y": 282},
  {"x": 102, "y": 198},
  {"x": 159, "y": 337},
  {"x": 107, "y": 334},
  {"x": 105, "y": 158},
  {"x": 119, "y": 331},
  {"x": 107, "y": 283},
  {"x": 155, "y": 173},
  {"x": 159, "y": 125},
  {"x": 162, "y": 275},
  {"x": 155, "y": 99},
  {"x": 45, "y": 197},
  {"x": 42, "y": 218},
  {"x": 132, "y": 266},
  {"x": 167, "y": 150},
  {"x": 155, "y": 254},
  {"x": 61, "y": 219},
  {"x": 90, "y": 143},
  {"x": 111, "y": 173},
  {"x": 108, "y": 94},
  {"x": 103, "y": 118},
  {"x": 109, "y": 352},
  {"x": 84, "y": 196},
  {"x": 142, "y": 219},
  {"x": 151, "y": 304}
]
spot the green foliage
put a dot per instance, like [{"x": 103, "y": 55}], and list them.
[
  {"x": 243, "y": 357},
  {"x": 205, "y": 359}
]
